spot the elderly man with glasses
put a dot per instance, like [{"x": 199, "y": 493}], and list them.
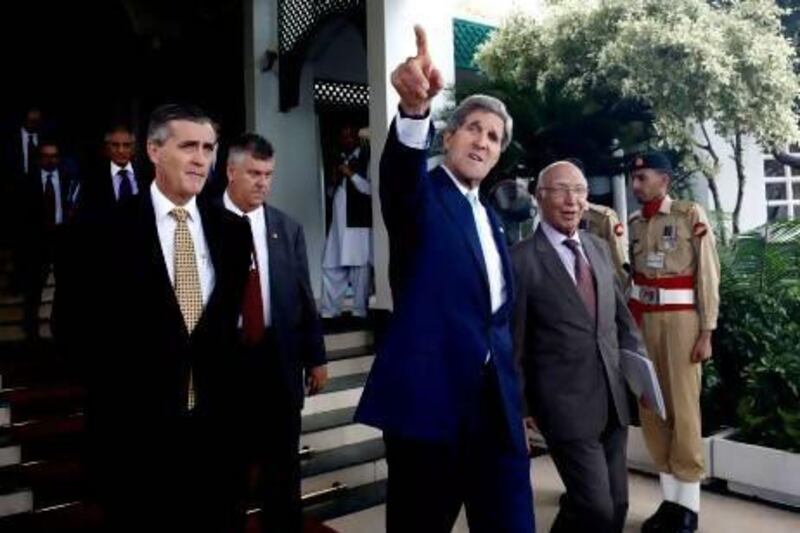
[{"x": 570, "y": 322}]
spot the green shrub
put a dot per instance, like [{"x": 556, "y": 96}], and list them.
[{"x": 752, "y": 382}]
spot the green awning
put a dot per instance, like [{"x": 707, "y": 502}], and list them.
[{"x": 467, "y": 35}]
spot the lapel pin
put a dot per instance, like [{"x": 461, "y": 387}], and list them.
[{"x": 274, "y": 235}]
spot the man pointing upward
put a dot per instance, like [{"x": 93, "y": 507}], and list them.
[{"x": 443, "y": 387}]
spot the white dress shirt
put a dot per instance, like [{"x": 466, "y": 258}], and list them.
[
  {"x": 166, "y": 236},
  {"x": 116, "y": 179},
  {"x": 491, "y": 257},
  {"x": 258, "y": 227},
  {"x": 557, "y": 239},
  {"x": 24, "y": 134},
  {"x": 57, "y": 190},
  {"x": 414, "y": 134}
]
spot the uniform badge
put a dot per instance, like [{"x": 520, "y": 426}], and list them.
[
  {"x": 655, "y": 260},
  {"x": 669, "y": 239}
]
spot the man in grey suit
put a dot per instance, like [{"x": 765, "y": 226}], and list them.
[{"x": 570, "y": 322}]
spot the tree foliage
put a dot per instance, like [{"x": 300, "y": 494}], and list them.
[
  {"x": 686, "y": 60},
  {"x": 690, "y": 63}
]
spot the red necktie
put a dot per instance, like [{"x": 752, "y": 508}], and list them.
[
  {"x": 253, "y": 306},
  {"x": 583, "y": 278}
]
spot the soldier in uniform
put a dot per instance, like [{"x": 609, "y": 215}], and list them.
[
  {"x": 603, "y": 222},
  {"x": 675, "y": 298}
]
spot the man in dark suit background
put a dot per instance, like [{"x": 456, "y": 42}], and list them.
[
  {"x": 47, "y": 203},
  {"x": 443, "y": 387},
  {"x": 116, "y": 176},
  {"x": 18, "y": 159},
  {"x": 570, "y": 322},
  {"x": 281, "y": 335},
  {"x": 20, "y": 145},
  {"x": 158, "y": 298}
]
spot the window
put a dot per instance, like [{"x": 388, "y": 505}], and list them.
[{"x": 782, "y": 189}]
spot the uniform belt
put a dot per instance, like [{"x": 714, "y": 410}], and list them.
[
  {"x": 656, "y": 295},
  {"x": 659, "y": 296}
]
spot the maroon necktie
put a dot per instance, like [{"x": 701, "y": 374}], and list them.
[
  {"x": 583, "y": 278},
  {"x": 253, "y": 306}
]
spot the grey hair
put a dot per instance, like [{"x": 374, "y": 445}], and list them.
[
  {"x": 482, "y": 102},
  {"x": 546, "y": 170},
  {"x": 159, "y": 130}
]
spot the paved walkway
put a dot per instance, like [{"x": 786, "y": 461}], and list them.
[{"x": 720, "y": 513}]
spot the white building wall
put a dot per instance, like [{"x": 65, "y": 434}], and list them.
[
  {"x": 337, "y": 53},
  {"x": 390, "y": 40},
  {"x": 754, "y": 204}
]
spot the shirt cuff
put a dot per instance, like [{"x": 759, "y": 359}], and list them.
[{"x": 413, "y": 132}]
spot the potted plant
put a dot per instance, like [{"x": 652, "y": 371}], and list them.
[{"x": 762, "y": 337}]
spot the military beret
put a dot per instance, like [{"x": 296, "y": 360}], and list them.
[{"x": 654, "y": 160}]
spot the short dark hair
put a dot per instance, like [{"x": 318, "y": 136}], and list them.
[
  {"x": 119, "y": 127},
  {"x": 251, "y": 144},
  {"x": 48, "y": 140},
  {"x": 158, "y": 129}
]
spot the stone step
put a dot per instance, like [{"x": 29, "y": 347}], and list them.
[
  {"x": 15, "y": 502},
  {"x": 349, "y": 501},
  {"x": 351, "y": 340}
]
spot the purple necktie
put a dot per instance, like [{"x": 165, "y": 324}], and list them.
[
  {"x": 583, "y": 278},
  {"x": 125, "y": 188}
]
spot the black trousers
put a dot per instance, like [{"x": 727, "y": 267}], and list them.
[
  {"x": 273, "y": 435},
  {"x": 429, "y": 481},
  {"x": 183, "y": 478},
  {"x": 595, "y": 474}
]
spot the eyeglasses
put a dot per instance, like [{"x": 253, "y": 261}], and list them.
[{"x": 562, "y": 190}]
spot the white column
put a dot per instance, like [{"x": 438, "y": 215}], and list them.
[
  {"x": 390, "y": 40},
  {"x": 620, "y": 192},
  {"x": 297, "y": 186}
]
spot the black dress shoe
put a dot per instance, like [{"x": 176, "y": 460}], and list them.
[{"x": 663, "y": 520}]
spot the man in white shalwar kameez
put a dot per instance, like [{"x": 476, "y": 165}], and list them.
[{"x": 348, "y": 249}]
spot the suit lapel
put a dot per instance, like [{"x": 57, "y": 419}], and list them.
[
  {"x": 460, "y": 211},
  {"x": 275, "y": 259},
  {"x": 211, "y": 228},
  {"x": 552, "y": 263},
  {"x": 110, "y": 196},
  {"x": 602, "y": 290}
]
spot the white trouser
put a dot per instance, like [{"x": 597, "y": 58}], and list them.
[{"x": 334, "y": 286}]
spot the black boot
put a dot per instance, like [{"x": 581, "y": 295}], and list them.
[
  {"x": 662, "y": 520},
  {"x": 685, "y": 520}
]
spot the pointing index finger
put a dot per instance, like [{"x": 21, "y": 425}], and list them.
[{"x": 422, "y": 41}]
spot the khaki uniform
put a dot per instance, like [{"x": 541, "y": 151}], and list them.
[
  {"x": 604, "y": 222},
  {"x": 674, "y": 295}
]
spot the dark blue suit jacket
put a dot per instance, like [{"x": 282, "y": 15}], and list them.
[{"x": 428, "y": 373}]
